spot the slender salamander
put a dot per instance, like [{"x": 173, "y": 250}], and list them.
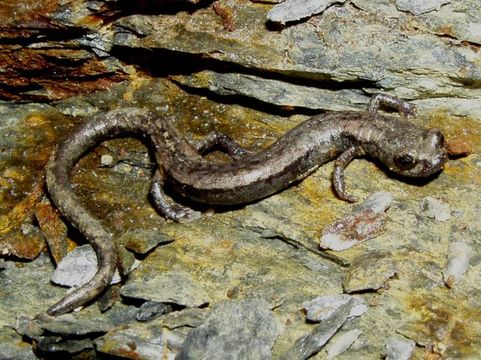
[{"x": 402, "y": 146}]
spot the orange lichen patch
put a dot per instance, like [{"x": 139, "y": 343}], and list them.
[
  {"x": 446, "y": 325},
  {"x": 18, "y": 15},
  {"x": 21, "y": 210},
  {"x": 52, "y": 74},
  {"x": 226, "y": 13},
  {"x": 53, "y": 228},
  {"x": 24, "y": 246},
  {"x": 464, "y": 134}
]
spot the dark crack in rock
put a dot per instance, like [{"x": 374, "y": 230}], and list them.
[
  {"x": 276, "y": 92},
  {"x": 234, "y": 330},
  {"x": 55, "y": 344},
  {"x": 177, "y": 287}
]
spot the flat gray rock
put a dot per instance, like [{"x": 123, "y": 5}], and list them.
[
  {"x": 398, "y": 348},
  {"x": 234, "y": 330},
  {"x": 78, "y": 267},
  {"x": 418, "y": 7},
  {"x": 177, "y": 287},
  {"x": 291, "y": 10},
  {"x": 12, "y": 346},
  {"x": 311, "y": 343}
]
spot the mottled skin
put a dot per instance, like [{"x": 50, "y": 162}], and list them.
[{"x": 403, "y": 147}]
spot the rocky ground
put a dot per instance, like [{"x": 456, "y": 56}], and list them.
[{"x": 248, "y": 282}]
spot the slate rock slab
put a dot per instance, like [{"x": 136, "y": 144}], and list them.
[
  {"x": 176, "y": 287},
  {"x": 234, "y": 330}
]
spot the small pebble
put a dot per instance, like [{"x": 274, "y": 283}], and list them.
[
  {"x": 123, "y": 168},
  {"x": 106, "y": 160},
  {"x": 150, "y": 310},
  {"x": 457, "y": 262},
  {"x": 366, "y": 222},
  {"x": 435, "y": 208},
  {"x": 459, "y": 148}
]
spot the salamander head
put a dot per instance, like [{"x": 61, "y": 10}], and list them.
[{"x": 417, "y": 154}]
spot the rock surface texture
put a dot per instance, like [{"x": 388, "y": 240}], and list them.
[{"x": 234, "y": 283}]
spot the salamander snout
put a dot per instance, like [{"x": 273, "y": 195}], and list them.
[{"x": 424, "y": 157}]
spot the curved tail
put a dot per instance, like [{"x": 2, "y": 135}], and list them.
[{"x": 102, "y": 127}]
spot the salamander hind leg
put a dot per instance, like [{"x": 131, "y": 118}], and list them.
[
  {"x": 166, "y": 206},
  {"x": 338, "y": 175},
  {"x": 224, "y": 142},
  {"x": 403, "y": 107}
]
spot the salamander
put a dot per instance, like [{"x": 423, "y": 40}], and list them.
[{"x": 405, "y": 148}]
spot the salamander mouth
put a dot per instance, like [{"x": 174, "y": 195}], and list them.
[{"x": 433, "y": 166}]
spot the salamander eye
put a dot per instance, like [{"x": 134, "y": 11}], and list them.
[
  {"x": 404, "y": 162},
  {"x": 436, "y": 137}
]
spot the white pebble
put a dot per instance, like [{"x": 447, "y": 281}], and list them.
[
  {"x": 457, "y": 262},
  {"x": 106, "y": 160},
  {"x": 435, "y": 208}
]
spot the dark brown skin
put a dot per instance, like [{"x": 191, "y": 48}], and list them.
[{"x": 402, "y": 146}]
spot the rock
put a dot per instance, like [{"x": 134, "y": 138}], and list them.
[
  {"x": 311, "y": 343},
  {"x": 12, "y": 346},
  {"x": 106, "y": 160},
  {"x": 369, "y": 272},
  {"x": 150, "y": 310},
  {"x": 78, "y": 267},
  {"x": 418, "y": 7},
  {"x": 141, "y": 241},
  {"x": 458, "y": 257},
  {"x": 323, "y": 307},
  {"x": 87, "y": 322},
  {"x": 342, "y": 342},
  {"x": 234, "y": 330},
  {"x": 160, "y": 338},
  {"x": 177, "y": 287},
  {"x": 399, "y": 348},
  {"x": 366, "y": 222},
  {"x": 435, "y": 208},
  {"x": 292, "y": 10}
]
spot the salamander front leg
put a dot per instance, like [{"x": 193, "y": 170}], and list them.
[
  {"x": 403, "y": 107},
  {"x": 338, "y": 175},
  {"x": 224, "y": 142},
  {"x": 166, "y": 206}
]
